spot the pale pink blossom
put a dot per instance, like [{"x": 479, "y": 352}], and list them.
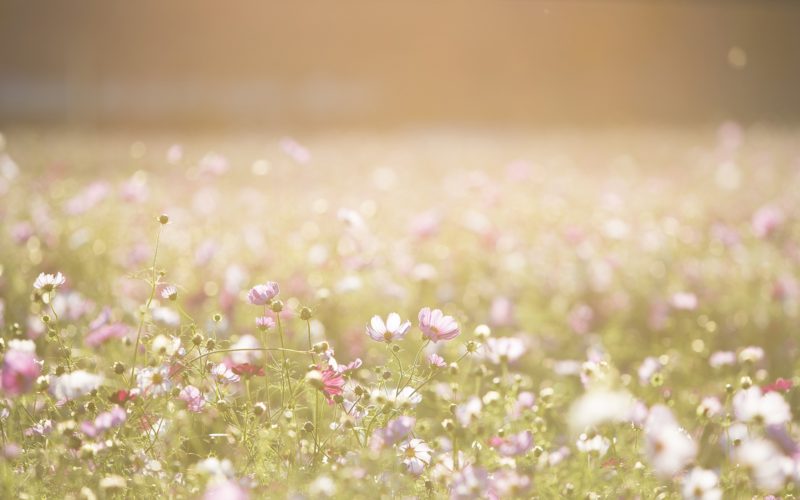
[
  {"x": 436, "y": 326},
  {"x": 19, "y": 372},
  {"x": 263, "y": 294}
]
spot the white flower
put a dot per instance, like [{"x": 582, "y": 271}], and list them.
[
  {"x": 169, "y": 292},
  {"x": 596, "y": 444},
  {"x": 769, "y": 409},
  {"x": 709, "y": 407},
  {"x": 751, "y": 354},
  {"x": 393, "y": 329},
  {"x": 49, "y": 282},
  {"x": 168, "y": 345},
  {"x": 22, "y": 345},
  {"x": 154, "y": 381},
  {"x": 701, "y": 484},
  {"x": 220, "y": 469},
  {"x": 407, "y": 396},
  {"x": 416, "y": 455},
  {"x": 223, "y": 374},
  {"x": 668, "y": 447},
  {"x": 765, "y": 463},
  {"x": 166, "y": 316},
  {"x": 74, "y": 385},
  {"x": 467, "y": 412},
  {"x": 503, "y": 349},
  {"x": 597, "y": 407}
]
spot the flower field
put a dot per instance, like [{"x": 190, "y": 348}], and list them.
[{"x": 426, "y": 314}]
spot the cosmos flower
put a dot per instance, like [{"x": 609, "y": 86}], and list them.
[
  {"x": 393, "y": 329},
  {"x": 668, "y": 447},
  {"x": 500, "y": 350},
  {"x": 701, "y": 484},
  {"x": 515, "y": 444},
  {"x": 416, "y": 455},
  {"x": 115, "y": 417},
  {"x": 166, "y": 345},
  {"x": 395, "y": 430},
  {"x": 74, "y": 385},
  {"x": 154, "y": 381},
  {"x": 765, "y": 463},
  {"x": 597, "y": 444},
  {"x": 20, "y": 371},
  {"x": 49, "y": 282},
  {"x": 193, "y": 398},
  {"x": 436, "y": 361},
  {"x": 248, "y": 370},
  {"x": 224, "y": 375},
  {"x": 327, "y": 380},
  {"x": 436, "y": 326},
  {"x": 263, "y": 294},
  {"x": 169, "y": 292},
  {"x": 264, "y": 322},
  {"x": 752, "y": 405}
]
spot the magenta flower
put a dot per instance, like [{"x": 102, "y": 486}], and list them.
[
  {"x": 263, "y": 294},
  {"x": 19, "y": 373},
  {"x": 436, "y": 326},
  {"x": 331, "y": 383}
]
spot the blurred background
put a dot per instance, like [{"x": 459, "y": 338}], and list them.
[{"x": 356, "y": 63}]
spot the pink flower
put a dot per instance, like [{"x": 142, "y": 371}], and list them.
[
  {"x": 686, "y": 301},
  {"x": 436, "y": 360},
  {"x": 264, "y": 322},
  {"x": 329, "y": 381},
  {"x": 19, "y": 373},
  {"x": 436, "y": 326},
  {"x": 767, "y": 220},
  {"x": 516, "y": 444},
  {"x": 263, "y": 294},
  {"x": 104, "y": 333},
  {"x": 387, "y": 332},
  {"x": 229, "y": 490},
  {"x": 193, "y": 398},
  {"x": 104, "y": 421}
]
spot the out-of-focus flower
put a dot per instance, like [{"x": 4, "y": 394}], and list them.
[
  {"x": 393, "y": 329},
  {"x": 468, "y": 483},
  {"x": 436, "y": 326},
  {"x": 74, "y": 385},
  {"x": 166, "y": 345},
  {"x": 580, "y": 319},
  {"x": 599, "y": 406},
  {"x": 667, "y": 446},
  {"x": 597, "y": 444},
  {"x": 416, "y": 455},
  {"x": 765, "y": 463},
  {"x": 780, "y": 385},
  {"x": 20, "y": 371},
  {"x": 470, "y": 411},
  {"x": 710, "y": 407},
  {"x": 516, "y": 444},
  {"x": 169, "y": 292},
  {"x": 395, "y": 430},
  {"x": 246, "y": 350},
  {"x": 767, "y": 220},
  {"x": 104, "y": 421},
  {"x": 264, "y": 322},
  {"x": 263, "y": 294},
  {"x": 685, "y": 301},
  {"x": 751, "y": 354},
  {"x": 49, "y": 282},
  {"x": 193, "y": 397},
  {"x": 701, "y": 484},
  {"x": 248, "y": 370},
  {"x": 500, "y": 350},
  {"x": 229, "y": 490},
  {"x": 649, "y": 367},
  {"x": 752, "y": 405},
  {"x": 722, "y": 358}
]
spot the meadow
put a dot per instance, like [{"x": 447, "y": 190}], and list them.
[{"x": 413, "y": 314}]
